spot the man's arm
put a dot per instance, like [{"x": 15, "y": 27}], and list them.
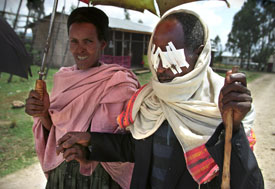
[
  {"x": 104, "y": 147},
  {"x": 112, "y": 147}
]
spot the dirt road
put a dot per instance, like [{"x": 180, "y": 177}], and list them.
[{"x": 263, "y": 93}]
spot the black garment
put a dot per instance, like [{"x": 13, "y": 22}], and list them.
[
  {"x": 245, "y": 173},
  {"x": 164, "y": 143}
]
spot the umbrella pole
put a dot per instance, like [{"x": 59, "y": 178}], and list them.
[
  {"x": 39, "y": 82},
  {"x": 227, "y": 145}
]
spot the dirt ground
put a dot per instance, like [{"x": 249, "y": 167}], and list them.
[{"x": 263, "y": 93}]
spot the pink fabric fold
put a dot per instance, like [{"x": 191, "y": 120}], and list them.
[{"x": 80, "y": 99}]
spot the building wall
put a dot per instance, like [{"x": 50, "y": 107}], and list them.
[{"x": 231, "y": 60}]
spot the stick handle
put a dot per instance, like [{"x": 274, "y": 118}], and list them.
[
  {"x": 227, "y": 145},
  {"x": 39, "y": 88}
]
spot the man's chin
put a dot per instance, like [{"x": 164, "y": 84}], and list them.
[{"x": 162, "y": 80}]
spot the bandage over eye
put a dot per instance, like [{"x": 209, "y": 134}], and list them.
[{"x": 171, "y": 58}]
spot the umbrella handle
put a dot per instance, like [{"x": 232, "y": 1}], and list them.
[
  {"x": 39, "y": 88},
  {"x": 227, "y": 145}
]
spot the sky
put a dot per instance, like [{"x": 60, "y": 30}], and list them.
[{"x": 216, "y": 14}]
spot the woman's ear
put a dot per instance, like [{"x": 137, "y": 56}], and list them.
[{"x": 103, "y": 44}]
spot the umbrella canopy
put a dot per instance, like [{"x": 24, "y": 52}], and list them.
[
  {"x": 14, "y": 58},
  {"x": 141, "y": 5}
]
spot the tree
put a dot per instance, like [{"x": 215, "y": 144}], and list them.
[
  {"x": 4, "y": 8},
  {"x": 140, "y": 21},
  {"x": 245, "y": 32},
  {"x": 266, "y": 43},
  {"x": 36, "y": 9},
  {"x": 218, "y": 48},
  {"x": 127, "y": 14}
]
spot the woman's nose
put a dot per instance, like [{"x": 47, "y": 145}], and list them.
[{"x": 80, "y": 48}]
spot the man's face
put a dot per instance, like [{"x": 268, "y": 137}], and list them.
[
  {"x": 170, "y": 30},
  {"x": 84, "y": 45}
]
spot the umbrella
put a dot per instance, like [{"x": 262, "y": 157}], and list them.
[
  {"x": 14, "y": 57},
  {"x": 141, "y": 5}
]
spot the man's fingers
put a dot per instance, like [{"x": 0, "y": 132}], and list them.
[
  {"x": 242, "y": 107},
  {"x": 64, "y": 138},
  {"x": 237, "y": 97},
  {"x": 234, "y": 87},
  {"x": 236, "y": 77}
]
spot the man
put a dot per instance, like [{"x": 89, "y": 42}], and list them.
[{"x": 177, "y": 120}]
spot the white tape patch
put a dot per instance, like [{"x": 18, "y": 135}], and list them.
[{"x": 171, "y": 58}]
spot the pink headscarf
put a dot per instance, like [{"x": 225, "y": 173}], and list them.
[{"x": 81, "y": 99}]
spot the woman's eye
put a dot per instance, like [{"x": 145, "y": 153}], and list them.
[
  {"x": 88, "y": 41},
  {"x": 73, "y": 41}
]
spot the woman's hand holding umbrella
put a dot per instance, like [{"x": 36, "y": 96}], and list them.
[{"x": 38, "y": 107}]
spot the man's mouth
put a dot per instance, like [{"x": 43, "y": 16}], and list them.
[{"x": 164, "y": 79}]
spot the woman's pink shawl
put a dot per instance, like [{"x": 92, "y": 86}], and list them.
[{"x": 82, "y": 98}]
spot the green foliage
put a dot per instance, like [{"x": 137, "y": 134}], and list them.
[
  {"x": 267, "y": 34},
  {"x": 245, "y": 31},
  {"x": 252, "y": 33},
  {"x": 36, "y": 7}
]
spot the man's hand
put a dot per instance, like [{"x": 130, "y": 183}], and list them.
[
  {"x": 236, "y": 96},
  {"x": 72, "y": 138}
]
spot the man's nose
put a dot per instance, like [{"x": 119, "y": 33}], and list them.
[{"x": 161, "y": 69}]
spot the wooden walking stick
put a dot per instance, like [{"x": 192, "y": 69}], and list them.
[
  {"x": 227, "y": 145},
  {"x": 39, "y": 82}
]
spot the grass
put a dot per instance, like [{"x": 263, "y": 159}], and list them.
[{"x": 16, "y": 138}]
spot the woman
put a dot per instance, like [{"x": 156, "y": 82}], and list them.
[{"x": 85, "y": 97}]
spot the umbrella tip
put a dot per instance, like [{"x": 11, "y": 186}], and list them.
[{"x": 228, "y": 5}]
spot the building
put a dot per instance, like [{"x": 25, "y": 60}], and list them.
[
  {"x": 229, "y": 59},
  {"x": 127, "y": 46},
  {"x": 271, "y": 63}
]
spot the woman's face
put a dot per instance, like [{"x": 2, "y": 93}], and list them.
[{"x": 85, "y": 46}]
